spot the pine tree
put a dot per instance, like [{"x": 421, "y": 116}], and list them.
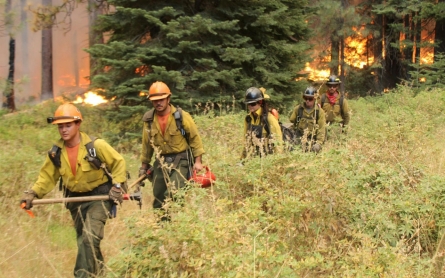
[
  {"x": 206, "y": 51},
  {"x": 406, "y": 18}
]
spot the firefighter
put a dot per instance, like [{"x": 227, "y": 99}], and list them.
[
  {"x": 261, "y": 129},
  {"x": 70, "y": 160},
  {"x": 271, "y": 110},
  {"x": 308, "y": 121},
  {"x": 335, "y": 106},
  {"x": 173, "y": 133}
]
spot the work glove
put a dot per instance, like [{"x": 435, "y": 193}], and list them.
[
  {"x": 115, "y": 194},
  {"x": 148, "y": 172},
  {"x": 142, "y": 171},
  {"x": 27, "y": 198},
  {"x": 316, "y": 148}
]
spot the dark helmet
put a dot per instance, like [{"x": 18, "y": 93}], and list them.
[
  {"x": 253, "y": 94},
  {"x": 333, "y": 80},
  {"x": 310, "y": 92}
]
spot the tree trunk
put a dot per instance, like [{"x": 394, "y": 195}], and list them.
[
  {"x": 440, "y": 37},
  {"x": 95, "y": 37},
  {"x": 47, "y": 60},
  {"x": 344, "y": 4},
  {"x": 8, "y": 100},
  {"x": 335, "y": 50},
  {"x": 379, "y": 55}
]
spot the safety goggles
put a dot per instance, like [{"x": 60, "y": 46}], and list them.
[
  {"x": 332, "y": 85},
  {"x": 252, "y": 104},
  {"x": 308, "y": 98}
]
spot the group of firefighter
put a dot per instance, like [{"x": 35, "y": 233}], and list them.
[
  {"x": 87, "y": 166},
  {"x": 311, "y": 122}
]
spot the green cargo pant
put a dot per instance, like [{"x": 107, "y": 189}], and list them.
[
  {"x": 89, "y": 221},
  {"x": 176, "y": 177}
]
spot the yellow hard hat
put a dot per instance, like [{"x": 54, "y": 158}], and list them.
[{"x": 263, "y": 90}]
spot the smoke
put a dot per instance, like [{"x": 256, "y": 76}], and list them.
[{"x": 70, "y": 62}]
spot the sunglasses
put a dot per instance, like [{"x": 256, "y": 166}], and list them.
[
  {"x": 308, "y": 98},
  {"x": 252, "y": 104},
  {"x": 332, "y": 86}
]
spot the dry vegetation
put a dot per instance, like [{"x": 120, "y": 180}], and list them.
[{"x": 369, "y": 205}]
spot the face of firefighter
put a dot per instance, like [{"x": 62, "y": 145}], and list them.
[
  {"x": 162, "y": 106},
  {"x": 70, "y": 133},
  {"x": 332, "y": 88},
  {"x": 309, "y": 102},
  {"x": 253, "y": 106}
]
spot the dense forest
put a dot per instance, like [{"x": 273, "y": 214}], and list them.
[{"x": 211, "y": 51}]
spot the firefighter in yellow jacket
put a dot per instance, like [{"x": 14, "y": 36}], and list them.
[
  {"x": 178, "y": 145},
  {"x": 77, "y": 166},
  {"x": 335, "y": 106},
  {"x": 261, "y": 129},
  {"x": 309, "y": 122}
]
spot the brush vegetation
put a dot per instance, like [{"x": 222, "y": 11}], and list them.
[{"x": 369, "y": 205}]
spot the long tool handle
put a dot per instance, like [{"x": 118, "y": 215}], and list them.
[
  {"x": 70, "y": 200},
  {"x": 86, "y": 198}
]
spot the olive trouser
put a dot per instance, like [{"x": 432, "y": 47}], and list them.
[
  {"x": 164, "y": 186},
  {"x": 89, "y": 221}
]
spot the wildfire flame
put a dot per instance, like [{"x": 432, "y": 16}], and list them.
[{"x": 91, "y": 98}]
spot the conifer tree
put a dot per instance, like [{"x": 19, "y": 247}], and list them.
[{"x": 206, "y": 51}]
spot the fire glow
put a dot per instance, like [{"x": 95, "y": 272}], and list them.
[{"x": 91, "y": 98}]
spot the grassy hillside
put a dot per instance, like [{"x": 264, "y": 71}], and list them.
[{"x": 371, "y": 205}]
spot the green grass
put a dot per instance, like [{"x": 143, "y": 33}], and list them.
[{"x": 371, "y": 205}]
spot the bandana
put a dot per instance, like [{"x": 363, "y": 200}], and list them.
[{"x": 332, "y": 98}]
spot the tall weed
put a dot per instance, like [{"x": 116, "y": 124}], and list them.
[{"x": 369, "y": 205}]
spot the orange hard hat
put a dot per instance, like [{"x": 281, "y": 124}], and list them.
[
  {"x": 205, "y": 180},
  {"x": 65, "y": 113},
  {"x": 158, "y": 90}
]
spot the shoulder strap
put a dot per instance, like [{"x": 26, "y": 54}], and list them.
[
  {"x": 178, "y": 120},
  {"x": 148, "y": 117},
  {"x": 94, "y": 160},
  {"x": 90, "y": 147},
  {"x": 54, "y": 156},
  {"x": 266, "y": 123},
  {"x": 323, "y": 99},
  {"x": 300, "y": 114},
  {"x": 179, "y": 125}
]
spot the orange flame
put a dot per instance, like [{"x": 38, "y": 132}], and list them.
[{"x": 91, "y": 98}]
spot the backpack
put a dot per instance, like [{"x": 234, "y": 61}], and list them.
[
  {"x": 300, "y": 114},
  {"x": 91, "y": 157},
  {"x": 289, "y": 134},
  {"x": 149, "y": 116}
]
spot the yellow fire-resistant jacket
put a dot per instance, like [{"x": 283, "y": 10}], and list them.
[
  {"x": 308, "y": 121},
  {"x": 172, "y": 141},
  {"x": 275, "y": 133},
  {"x": 86, "y": 178},
  {"x": 335, "y": 114}
]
